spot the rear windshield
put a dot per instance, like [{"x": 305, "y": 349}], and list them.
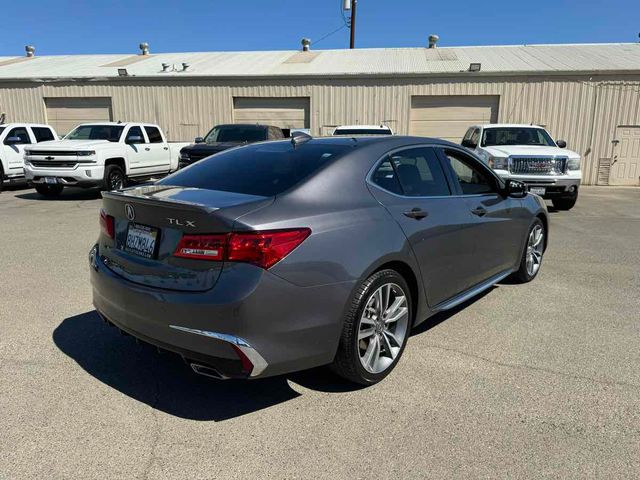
[
  {"x": 362, "y": 131},
  {"x": 265, "y": 169},
  {"x": 236, "y": 133},
  {"x": 96, "y": 132}
]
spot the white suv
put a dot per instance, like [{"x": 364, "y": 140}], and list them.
[{"x": 528, "y": 153}]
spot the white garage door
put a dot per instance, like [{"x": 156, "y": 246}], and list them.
[
  {"x": 626, "y": 168},
  {"x": 281, "y": 112},
  {"x": 448, "y": 117},
  {"x": 65, "y": 113}
]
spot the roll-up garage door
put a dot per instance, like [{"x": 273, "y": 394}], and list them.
[
  {"x": 449, "y": 116},
  {"x": 64, "y": 113},
  {"x": 286, "y": 113}
]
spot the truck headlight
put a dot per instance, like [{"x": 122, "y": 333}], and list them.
[
  {"x": 499, "y": 163},
  {"x": 86, "y": 153},
  {"x": 573, "y": 164},
  {"x": 184, "y": 157}
]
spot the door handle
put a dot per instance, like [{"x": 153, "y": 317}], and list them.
[
  {"x": 416, "y": 213},
  {"x": 166, "y": 148},
  {"x": 147, "y": 148},
  {"x": 479, "y": 211}
]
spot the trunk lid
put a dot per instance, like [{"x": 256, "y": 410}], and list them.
[{"x": 165, "y": 213}]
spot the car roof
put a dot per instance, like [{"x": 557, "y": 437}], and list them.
[
  {"x": 259, "y": 125},
  {"x": 25, "y": 124},
  {"x": 508, "y": 125},
  {"x": 364, "y": 127},
  {"x": 393, "y": 141}
]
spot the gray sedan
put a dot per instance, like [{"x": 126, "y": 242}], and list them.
[{"x": 282, "y": 256}]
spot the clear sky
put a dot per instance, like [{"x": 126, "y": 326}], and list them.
[{"x": 118, "y": 26}]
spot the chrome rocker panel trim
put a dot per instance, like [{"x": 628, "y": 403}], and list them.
[
  {"x": 472, "y": 292},
  {"x": 259, "y": 363}
]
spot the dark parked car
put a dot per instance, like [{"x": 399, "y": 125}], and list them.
[
  {"x": 282, "y": 256},
  {"x": 223, "y": 137}
]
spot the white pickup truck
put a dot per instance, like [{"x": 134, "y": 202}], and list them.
[
  {"x": 101, "y": 154},
  {"x": 528, "y": 153},
  {"x": 14, "y": 138}
]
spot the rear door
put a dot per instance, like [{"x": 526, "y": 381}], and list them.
[
  {"x": 14, "y": 152},
  {"x": 499, "y": 221},
  {"x": 413, "y": 187},
  {"x": 159, "y": 158}
]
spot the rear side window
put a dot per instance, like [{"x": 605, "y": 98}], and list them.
[
  {"x": 420, "y": 173},
  {"x": 265, "y": 169},
  {"x": 42, "y": 134},
  {"x": 385, "y": 177},
  {"x": 154, "y": 134}
]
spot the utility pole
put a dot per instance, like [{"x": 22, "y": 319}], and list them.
[{"x": 354, "y": 4}]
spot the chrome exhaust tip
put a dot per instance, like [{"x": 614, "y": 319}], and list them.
[{"x": 207, "y": 371}]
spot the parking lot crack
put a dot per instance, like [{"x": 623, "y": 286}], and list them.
[{"x": 537, "y": 369}]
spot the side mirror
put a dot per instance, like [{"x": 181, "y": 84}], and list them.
[
  {"x": 12, "y": 140},
  {"x": 561, "y": 144},
  {"x": 199, "y": 140},
  {"x": 134, "y": 139},
  {"x": 468, "y": 144},
  {"x": 516, "y": 189}
]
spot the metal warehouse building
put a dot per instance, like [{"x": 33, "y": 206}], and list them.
[{"x": 588, "y": 95}]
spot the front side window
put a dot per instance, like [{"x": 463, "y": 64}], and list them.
[
  {"x": 135, "y": 132},
  {"x": 516, "y": 136},
  {"x": 42, "y": 134},
  {"x": 420, "y": 173},
  {"x": 110, "y": 133},
  {"x": 471, "y": 178},
  {"x": 21, "y": 133},
  {"x": 154, "y": 134}
]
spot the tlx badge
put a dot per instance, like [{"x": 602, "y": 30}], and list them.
[{"x": 181, "y": 223}]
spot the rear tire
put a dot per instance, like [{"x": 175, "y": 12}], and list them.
[
  {"x": 1, "y": 178},
  {"x": 531, "y": 260},
  {"x": 114, "y": 178},
  {"x": 564, "y": 203},
  {"x": 49, "y": 190},
  {"x": 375, "y": 330}
]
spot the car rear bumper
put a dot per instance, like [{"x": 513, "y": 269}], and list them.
[
  {"x": 277, "y": 325},
  {"x": 81, "y": 176}
]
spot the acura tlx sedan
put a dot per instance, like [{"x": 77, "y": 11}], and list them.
[{"x": 287, "y": 255}]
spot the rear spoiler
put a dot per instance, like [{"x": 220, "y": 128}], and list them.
[{"x": 165, "y": 202}]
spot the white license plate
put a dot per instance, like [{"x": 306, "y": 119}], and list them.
[
  {"x": 538, "y": 190},
  {"x": 50, "y": 180},
  {"x": 141, "y": 240}
]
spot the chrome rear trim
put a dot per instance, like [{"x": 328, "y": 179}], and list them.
[
  {"x": 472, "y": 292},
  {"x": 259, "y": 363}
]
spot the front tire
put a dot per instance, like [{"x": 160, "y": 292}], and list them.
[
  {"x": 532, "y": 257},
  {"x": 114, "y": 178},
  {"x": 564, "y": 203},
  {"x": 376, "y": 329},
  {"x": 49, "y": 190}
]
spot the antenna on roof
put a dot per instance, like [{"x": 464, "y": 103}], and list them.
[{"x": 298, "y": 138}]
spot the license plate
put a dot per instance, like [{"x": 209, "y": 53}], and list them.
[
  {"x": 538, "y": 190},
  {"x": 142, "y": 240},
  {"x": 50, "y": 180}
]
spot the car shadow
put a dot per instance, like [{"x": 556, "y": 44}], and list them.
[
  {"x": 165, "y": 382},
  {"x": 68, "y": 194}
]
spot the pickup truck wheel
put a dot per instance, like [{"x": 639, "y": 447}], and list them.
[
  {"x": 114, "y": 178},
  {"x": 564, "y": 203},
  {"x": 375, "y": 329},
  {"x": 533, "y": 252},
  {"x": 49, "y": 190},
  {"x": 1, "y": 177}
]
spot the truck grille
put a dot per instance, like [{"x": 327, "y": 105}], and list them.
[
  {"x": 53, "y": 153},
  {"x": 538, "y": 165},
  {"x": 54, "y": 163}
]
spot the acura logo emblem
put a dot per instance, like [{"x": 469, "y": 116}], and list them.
[{"x": 129, "y": 211}]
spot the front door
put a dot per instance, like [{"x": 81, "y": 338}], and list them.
[
  {"x": 625, "y": 169},
  {"x": 138, "y": 151},
  {"x": 14, "y": 151},
  {"x": 500, "y": 221},
  {"x": 411, "y": 185}
]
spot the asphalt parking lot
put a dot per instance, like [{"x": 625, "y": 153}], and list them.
[{"x": 540, "y": 380}]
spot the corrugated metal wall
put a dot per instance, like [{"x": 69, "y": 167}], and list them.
[{"x": 583, "y": 111}]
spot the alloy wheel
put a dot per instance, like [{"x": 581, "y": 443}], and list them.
[
  {"x": 383, "y": 327},
  {"x": 116, "y": 180},
  {"x": 535, "y": 246}
]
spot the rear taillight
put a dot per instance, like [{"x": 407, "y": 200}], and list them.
[
  {"x": 203, "y": 247},
  {"x": 263, "y": 249},
  {"x": 107, "y": 224}
]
